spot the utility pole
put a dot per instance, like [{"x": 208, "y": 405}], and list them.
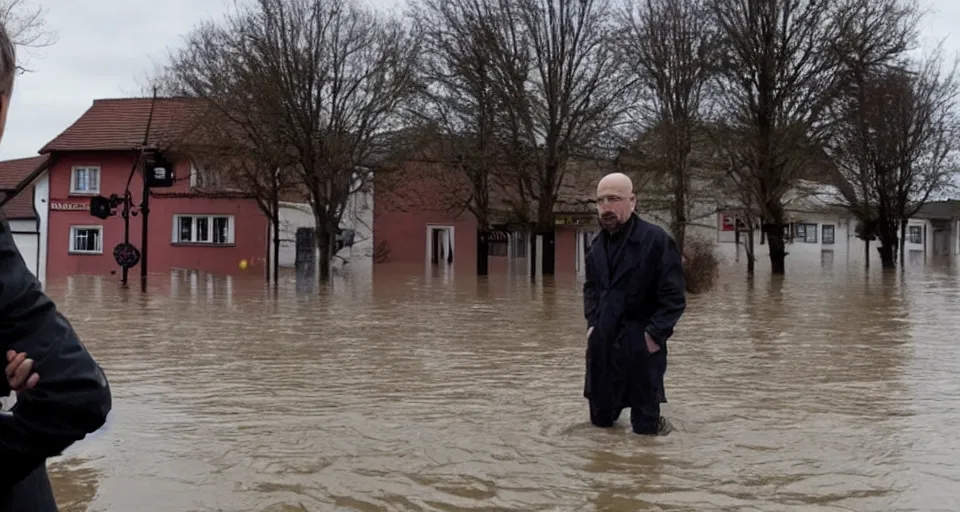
[
  {"x": 145, "y": 214},
  {"x": 128, "y": 198},
  {"x": 156, "y": 172}
]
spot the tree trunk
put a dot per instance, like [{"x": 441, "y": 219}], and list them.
[
  {"x": 778, "y": 248},
  {"x": 325, "y": 246},
  {"x": 533, "y": 255},
  {"x": 887, "y": 251},
  {"x": 548, "y": 252},
  {"x": 545, "y": 228},
  {"x": 866, "y": 252},
  {"x": 483, "y": 251},
  {"x": 679, "y": 227},
  {"x": 887, "y": 235}
]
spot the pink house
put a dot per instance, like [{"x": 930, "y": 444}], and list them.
[{"x": 192, "y": 225}]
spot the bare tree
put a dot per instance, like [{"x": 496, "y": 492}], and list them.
[
  {"x": 318, "y": 81},
  {"x": 564, "y": 89},
  {"x": 902, "y": 138},
  {"x": 267, "y": 177},
  {"x": 235, "y": 143},
  {"x": 880, "y": 33},
  {"x": 459, "y": 100},
  {"x": 26, "y": 26},
  {"x": 778, "y": 76},
  {"x": 672, "y": 49}
]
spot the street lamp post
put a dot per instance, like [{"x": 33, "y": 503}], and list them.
[{"x": 157, "y": 173}]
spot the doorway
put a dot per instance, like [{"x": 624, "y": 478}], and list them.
[
  {"x": 440, "y": 244},
  {"x": 941, "y": 243}
]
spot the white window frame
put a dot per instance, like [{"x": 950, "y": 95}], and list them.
[
  {"x": 193, "y": 229},
  {"x": 823, "y": 234},
  {"x": 73, "y": 180},
  {"x": 806, "y": 232},
  {"x": 73, "y": 236},
  {"x": 915, "y": 228}
]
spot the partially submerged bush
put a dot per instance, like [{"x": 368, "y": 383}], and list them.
[{"x": 701, "y": 264}]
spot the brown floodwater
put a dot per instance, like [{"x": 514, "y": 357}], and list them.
[{"x": 827, "y": 390}]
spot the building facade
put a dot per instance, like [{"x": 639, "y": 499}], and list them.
[
  {"x": 827, "y": 237},
  {"x": 24, "y": 185},
  {"x": 191, "y": 226},
  {"x": 416, "y": 223},
  {"x": 356, "y": 235},
  {"x": 201, "y": 222}
]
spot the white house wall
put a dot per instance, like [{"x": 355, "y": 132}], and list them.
[
  {"x": 41, "y": 203},
  {"x": 30, "y": 236},
  {"x": 358, "y": 216},
  {"x": 846, "y": 248},
  {"x": 26, "y": 237},
  {"x": 955, "y": 239},
  {"x": 292, "y": 217}
]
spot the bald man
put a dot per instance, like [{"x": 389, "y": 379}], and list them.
[{"x": 633, "y": 297}]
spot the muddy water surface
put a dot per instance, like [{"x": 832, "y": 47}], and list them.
[{"x": 828, "y": 390}]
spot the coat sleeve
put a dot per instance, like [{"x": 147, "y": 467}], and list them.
[
  {"x": 590, "y": 294},
  {"x": 71, "y": 399},
  {"x": 670, "y": 296}
]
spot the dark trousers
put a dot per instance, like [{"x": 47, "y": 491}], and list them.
[
  {"x": 643, "y": 394},
  {"x": 32, "y": 494},
  {"x": 644, "y": 418}
]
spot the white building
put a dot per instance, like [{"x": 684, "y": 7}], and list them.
[
  {"x": 357, "y": 216},
  {"x": 821, "y": 232},
  {"x": 25, "y": 182}
]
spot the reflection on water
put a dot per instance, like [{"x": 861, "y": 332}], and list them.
[{"x": 827, "y": 389}]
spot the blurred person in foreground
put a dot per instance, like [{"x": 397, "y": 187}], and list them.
[
  {"x": 633, "y": 297},
  {"x": 61, "y": 393}
]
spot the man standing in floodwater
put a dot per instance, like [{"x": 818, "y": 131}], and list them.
[
  {"x": 62, "y": 395},
  {"x": 633, "y": 297}
]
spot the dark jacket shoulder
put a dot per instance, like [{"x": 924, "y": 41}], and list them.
[{"x": 71, "y": 399}]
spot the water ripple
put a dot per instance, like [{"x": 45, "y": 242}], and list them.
[{"x": 820, "y": 391}]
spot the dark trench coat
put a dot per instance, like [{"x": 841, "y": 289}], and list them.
[
  {"x": 71, "y": 399},
  {"x": 642, "y": 293}
]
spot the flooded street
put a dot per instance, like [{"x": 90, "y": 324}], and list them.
[{"x": 830, "y": 390}]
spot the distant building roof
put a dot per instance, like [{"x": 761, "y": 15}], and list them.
[
  {"x": 119, "y": 124},
  {"x": 949, "y": 209},
  {"x": 16, "y": 174}
]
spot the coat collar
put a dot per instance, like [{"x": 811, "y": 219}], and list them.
[{"x": 628, "y": 259}]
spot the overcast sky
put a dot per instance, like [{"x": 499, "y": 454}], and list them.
[{"x": 105, "y": 49}]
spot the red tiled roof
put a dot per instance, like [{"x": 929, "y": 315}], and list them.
[
  {"x": 119, "y": 124},
  {"x": 12, "y": 174},
  {"x": 21, "y": 206}
]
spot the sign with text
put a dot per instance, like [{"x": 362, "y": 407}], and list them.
[
  {"x": 572, "y": 220},
  {"x": 70, "y": 206},
  {"x": 731, "y": 222},
  {"x": 159, "y": 172},
  {"x": 728, "y": 222}
]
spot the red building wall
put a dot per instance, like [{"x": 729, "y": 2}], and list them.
[
  {"x": 565, "y": 257},
  {"x": 409, "y": 200},
  {"x": 249, "y": 224},
  {"x": 423, "y": 194}
]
